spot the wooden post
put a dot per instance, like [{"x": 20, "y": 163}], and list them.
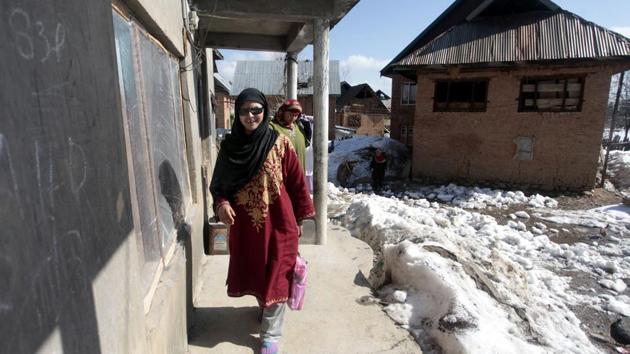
[
  {"x": 292, "y": 75},
  {"x": 612, "y": 127},
  {"x": 321, "y": 28}
]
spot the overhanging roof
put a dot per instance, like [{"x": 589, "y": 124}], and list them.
[
  {"x": 270, "y": 25},
  {"x": 466, "y": 10},
  {"x": 536, "y": 36}
]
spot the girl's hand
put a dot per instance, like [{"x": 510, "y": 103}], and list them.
[{"x": 226, "y": 214}]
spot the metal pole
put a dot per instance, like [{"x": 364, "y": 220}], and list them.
[
  {"x": 321, "y": 28},
  {"x": 292, "y": 75},
  {"x": 612, "y": 127}
]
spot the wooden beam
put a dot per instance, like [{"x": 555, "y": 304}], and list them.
[{"x": 246, "y": 41}]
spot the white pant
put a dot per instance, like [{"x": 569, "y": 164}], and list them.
[{"x": 272, "y": 320}]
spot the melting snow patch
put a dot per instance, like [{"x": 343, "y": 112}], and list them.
[{"x": 461, "y": 281}]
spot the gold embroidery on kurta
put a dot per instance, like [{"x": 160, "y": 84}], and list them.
[{"x": 264, "y": 188}]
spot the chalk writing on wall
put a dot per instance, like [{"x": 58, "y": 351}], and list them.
[{"x": 34, "y": 40}]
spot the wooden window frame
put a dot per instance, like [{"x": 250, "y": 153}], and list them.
[
  {"x": 406, "y": 86},
  {"x": 471, "y": 102},
  {"x": 560, "y": 80},
  {"x": 151, "y": 269}
]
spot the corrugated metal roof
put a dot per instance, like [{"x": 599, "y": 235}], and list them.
[
  {"x": 223, "y": 82},
  {"x": 268, "y": 77},
  {"x": 527, "y": 37}
]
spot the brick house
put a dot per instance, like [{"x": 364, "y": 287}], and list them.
[
  {"x": 361, "y": 108},
  {"x": 224, "y": 102},
  {"x": 506, "y": 91},
  {"x": 269, "y": 77}
]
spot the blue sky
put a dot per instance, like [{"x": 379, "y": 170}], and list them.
[{"x": 374, "y": 31}]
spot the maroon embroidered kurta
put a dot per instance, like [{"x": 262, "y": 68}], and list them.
[{"x": 264, "y": 237}]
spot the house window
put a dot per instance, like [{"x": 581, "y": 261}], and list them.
[
  {"x": 460, "y": 96},
  {"x": 408, "y": 94},
  {"x": 551, "y": 94},
  {"x": 354, "y": 121},
  {"x": 154, "y": 137},
  {"x": 406, "y": 134}
]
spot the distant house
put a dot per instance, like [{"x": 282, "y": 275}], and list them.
[
  {"x": 270, "y": 78},
  {"x": 508, "y": 91},
  {"x": 224, "y": 102},
  {"x": 360, "y": 108},
  {"x": 387, "y": 101}
]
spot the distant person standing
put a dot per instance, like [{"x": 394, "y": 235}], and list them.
[
  {"x": 287, "y": 122},
  {"x": 378, "y": 165}
]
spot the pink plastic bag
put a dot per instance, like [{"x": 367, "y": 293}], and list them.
[{"x": 298, "y": 286}]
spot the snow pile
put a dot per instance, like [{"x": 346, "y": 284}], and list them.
[
  {"x": 619, "y": 169},
  {"x": 467, "y": 197},
  {"x": 613, "y": 217},
  {"x": 359, "y": 151},
  {"x": 479, "y": 198},
  {"x": 460, "y": 281}
]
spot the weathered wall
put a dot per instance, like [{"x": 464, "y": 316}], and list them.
[
  {"x": 69, "y": 257},
  {"x": 402, "y": 114},
  {"x": 370, "y": 124},
  {"x": 162, "y": 18},
  {"x": 68, "y": 260},
  {"x": 166, "y": 326},
  {"x": 480, "y": 146},
  {"x": 372, "y": 115}
]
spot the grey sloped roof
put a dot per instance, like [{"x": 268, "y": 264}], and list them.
[
  {"x": 268, "y": 76},
  {"x": 221, "y": 83},
  {"x": 559, "y": 35}
]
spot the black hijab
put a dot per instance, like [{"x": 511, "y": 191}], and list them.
[{"x": 241, "y": 155}]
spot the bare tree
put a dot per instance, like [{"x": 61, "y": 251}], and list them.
[{"x": 624, "y": 109}]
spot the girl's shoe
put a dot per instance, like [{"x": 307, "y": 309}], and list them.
[{"x": 269, "y": 348}]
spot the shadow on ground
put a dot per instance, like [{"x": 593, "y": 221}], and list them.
[{"x": 236, "y": 325}]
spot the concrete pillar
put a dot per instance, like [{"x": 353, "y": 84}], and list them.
[
  {"x": 321, "y": 28},
  {"x": 292, "y": 75}
]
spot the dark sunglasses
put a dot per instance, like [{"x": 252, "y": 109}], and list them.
[{"x": 254, "y": 111}]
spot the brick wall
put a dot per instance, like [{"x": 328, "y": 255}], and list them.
[
  {"x": 401, "y": 114},
  {"x": 369, "y": 124},
  {"x": 225, "y": 107},
  {"x": 371, "y": 113},
  {"x": 476, "y": 147}
]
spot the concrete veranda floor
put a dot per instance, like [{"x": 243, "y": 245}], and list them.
[{"x": 332, "y": 321}]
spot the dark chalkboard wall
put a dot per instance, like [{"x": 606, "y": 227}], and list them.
[{"x": 64, "y": 193}]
